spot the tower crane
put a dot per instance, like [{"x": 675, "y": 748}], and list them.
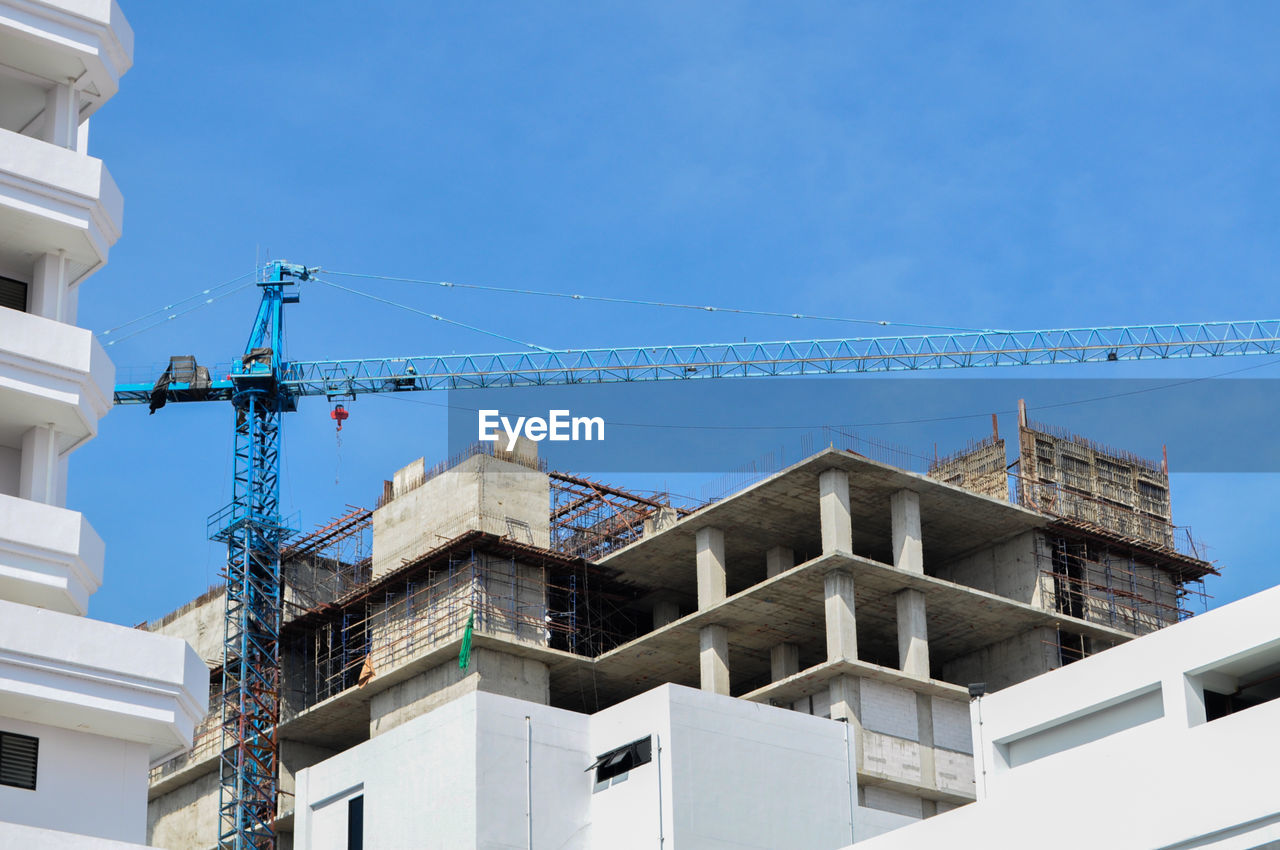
[{"x": 263, "y": 384}]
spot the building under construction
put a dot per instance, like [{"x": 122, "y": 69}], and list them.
[{"x": 839, "y": 587}]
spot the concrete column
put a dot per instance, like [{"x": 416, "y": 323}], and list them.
[
  {"x": 713, "y": 659},
  {"x": 61, "y": 116},
  {"x": 833, "y": 502},
  {"x": 48, "y": 295},
  {"x": 665, "y": 612},
  {"x": 784, "y": 661},
  {"x": 38, "y": 472},
  {"x": 846, "y": 705},
  {"x": 711, "y": 571},
  {"x": 924, "y": 726},
  {"x": 779, "y": 559},
  {"x": 907, "y": 552},
  {"x": 842, "y": 632},
  {"x": 908, "y": 555},
  {"x": 913, "y": 634}
]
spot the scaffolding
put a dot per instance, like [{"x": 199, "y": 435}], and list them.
[
  {"x": 1128, "y": 588},
  {"x": 495, "y": 586},
  {"x": 327, "y": 563},
  {"x": 590, "y": 519}
]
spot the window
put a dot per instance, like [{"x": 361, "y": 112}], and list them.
[
  {"x": 13, "y": 294},
  {"x": 18, "y": 760},
  {"x": 355, "y": 823},
  {"x": 1244, "y": 685},
  {"x": 619, "y": 761}
]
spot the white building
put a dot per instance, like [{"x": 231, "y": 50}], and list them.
[
  {"x": 674, "y": 767},
  {"x": 1170, "y": 741},
  {"x": 85, "y": 707}
]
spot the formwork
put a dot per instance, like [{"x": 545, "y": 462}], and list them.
[{"x": 1111, "y": 553}]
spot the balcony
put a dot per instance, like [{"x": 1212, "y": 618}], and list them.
[
  {"x": 57, "y": 40},
  {"x": 49, "y": 557},
  {"x": 51, "y": 374},
  {"x": 53, "y": 198},
  {"x": 89, "y": 676}
]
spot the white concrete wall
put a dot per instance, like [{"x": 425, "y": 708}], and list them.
[
  {"x": 729, "y": 759},
  {"x": 85, "y": 783},
  {"x": 18, "y": 835},
  {"x": 552, "y": 770},
  {"x": 636, "y": 806},
  {"x": 418, "y": 780},
  {"x": 725, "y": 773},
  {"x": 1122, "y": 740}
]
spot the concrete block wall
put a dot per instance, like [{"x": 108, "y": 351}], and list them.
[
  {"x": 819, "y": 705},
  {"x": 953, "y": 772},
  {"x": 951, "y": 730},
  {"x": 889, "y": 709},
  {"x": 887, "y": 800},
  {"x": 1010, "y": 569},
  {"x": 892, "y": 758},
  {"x": 1006, "y": 662}
]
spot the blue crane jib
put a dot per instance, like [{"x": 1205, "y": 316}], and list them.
[{"x": 263, "y": 383}]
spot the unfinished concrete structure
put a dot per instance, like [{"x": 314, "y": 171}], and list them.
[{"x": 840, "y": 587}]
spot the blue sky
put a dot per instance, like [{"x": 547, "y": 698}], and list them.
[{"x": 993, "y": 165}]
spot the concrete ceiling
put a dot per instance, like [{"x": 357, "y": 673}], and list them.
[{"x": 782, "y": 510}]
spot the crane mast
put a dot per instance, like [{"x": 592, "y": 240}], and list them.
[
  {"x": 262, "y": 385},
  {"x": 251, "y": 528}
]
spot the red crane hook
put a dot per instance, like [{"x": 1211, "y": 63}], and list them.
[{"x": 338, "y": 414}]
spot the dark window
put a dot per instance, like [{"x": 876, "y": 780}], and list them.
[
  {"x": 619, "y": 761},
  {"x": 13, "y": 294},
  {"x": 1255, "y": 691},
  {"x": 355, "y": 823},
  {"x": 18, "y": 760}
]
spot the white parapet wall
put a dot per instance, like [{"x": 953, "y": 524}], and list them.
[{"x": 491, "y": 771}]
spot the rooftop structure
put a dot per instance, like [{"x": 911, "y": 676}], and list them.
[
  {"x": 85, "y": 707},
  {"x": 839, "y": 587}
]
